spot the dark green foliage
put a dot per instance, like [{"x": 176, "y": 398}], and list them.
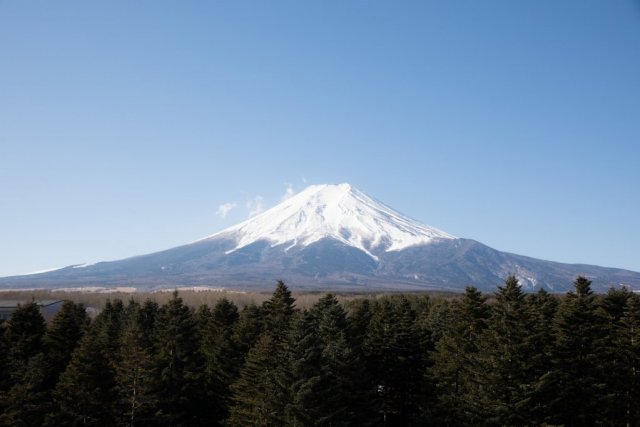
[
  {"x": 135, "y": 371},
  {"x": 610, "y": 354},
  {"x": 573, "y": 386},
  {"x": 223, "y": 358},
  {"x": 395, "y": 360},
  {"x": 63, "y": 335},
  {"x": 456, "y": 362},
  {"x": 85, "y": 392},
  {"x": 179, "y": 365},
  {"x": 628, "y": 345},
  {"x": 5, "y": 380},
  {"x": 359, "y": 318},
  {"x": 27, "y": 402},
  {"x": 260, "y": 392},
  {"x": 542, "y": 309},
  {"x": 24, "y": 335},
  {"x": 248, "y": 328},
  {"x": 309, "y": 383},
  {"x": 277, "y": 312},
  {"x": 505, "y": 353},
  {"x": 24, "y": 398},
  {"x": 330, "y": 385}
]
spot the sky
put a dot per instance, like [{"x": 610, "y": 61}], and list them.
[{"x": 131, "y": 127}]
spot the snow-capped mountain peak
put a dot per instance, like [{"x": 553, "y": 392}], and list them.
[{"x": 337, "y": 211}]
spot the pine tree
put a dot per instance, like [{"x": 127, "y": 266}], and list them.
[
  {"x": 203, "y": 317},
  {"x": 24, "y": 401},
  {"x": 85, "y": 391},
  {"x": 5, "y": 380},
  {"x": 24, "y": 335},
  {"x": 348, "y": 391},
  {"x": 278, "y": 311},
  {"x": 359, "y": 317},
  {"x": 612, "y": 370},
  {"x": 261, "y": 391},
  {"x": 307, "y": 379},
  {"x": 628, "y": 343},
  {"x": 28, "y": 401},
  {"x": 134, "y": 372},
  {"x": 456, "y": 359},
  {"x": 542, "y": 308},
  {"x": 571, "y": 386},
  {"x": 248, "y": 329},
  {"x": 504, "y": 354},
  {"x": 329, "y": 385},
  {"x": 222, "y": 357},
  {"x": 395, "y": 361},
  {"x": 63, "y": 335},
  {"x": 179, "y": 365}
]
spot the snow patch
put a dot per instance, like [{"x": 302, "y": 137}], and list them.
[
  {"x": 96, "y": 290},
  {"x": 85, "y": 265},
  {"x": 38, "y": 272},
  {"x": 340, "y": 212}
]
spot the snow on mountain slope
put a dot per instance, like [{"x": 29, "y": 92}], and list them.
[{"x": 340, "y": 212}]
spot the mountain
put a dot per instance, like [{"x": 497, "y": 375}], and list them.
[{"x": 329, "y": 237}]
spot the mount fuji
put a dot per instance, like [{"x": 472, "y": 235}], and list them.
[{"x": 329, "y": 237}]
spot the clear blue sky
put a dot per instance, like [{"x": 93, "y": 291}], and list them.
[{"x": 124, "y": 126}]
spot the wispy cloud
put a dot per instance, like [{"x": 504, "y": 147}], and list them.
[
  {"x": 225, "y": 208},
  {"x": 255, "y": 205},
  {"x": 288, "y": 192}
]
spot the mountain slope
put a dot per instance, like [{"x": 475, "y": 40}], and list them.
[
  {"x": 329, "y": 237},
  {"x": 340, "y": 212}
]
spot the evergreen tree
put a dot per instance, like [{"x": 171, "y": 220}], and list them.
[
  {"x": 261, "y": 391},
  {"x": 134, "y": 372},
  {"x": 278, "y": 311},
  {"x": 571, "y": 386},
  {"x": 85, "y": 391},
  {"x": 248, "y": 328},
  {"x": 24, "y": 401},
  {"x": 359, "y": 319},
  {"x": 24, "y": 335},
  {"x": 612, "y": 367},
  {"x": 456, "y": 359},
  {"x": 329, "y": 385},
  {"x": 348, "y": 395},
  {"x": 429, "y": 393},
  {"x": 307, "y": 379},
  {"x": 395, "y": 361},
  {"x": 628, "y": 343},
  {"x": 222, "y": 356},
  {"x": 62, "y": 336},
  {"x": 179, "y": 366},
  {"x": 28, "y": 400},
  {"x": 504, "y": 355},
  {"x": 203, "y": 317},
  {"x": 542, "y": 311},
  {"x": 108, "y": 327},
  {"x": 5, "y": 380}
]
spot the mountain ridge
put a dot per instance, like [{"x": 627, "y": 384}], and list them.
[
  {"x": 338, "y": 211},
  {"x": 329, "y": 237}
]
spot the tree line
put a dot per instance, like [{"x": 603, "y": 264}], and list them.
[{"x": 510, "y": 358}]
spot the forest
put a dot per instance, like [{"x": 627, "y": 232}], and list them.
[{"x": 509, "y": 358}]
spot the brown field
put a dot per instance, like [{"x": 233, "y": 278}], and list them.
[{"x": 96, "y": 300}]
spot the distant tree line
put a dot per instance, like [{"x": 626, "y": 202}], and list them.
[{"x": 397, "y": 360}]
